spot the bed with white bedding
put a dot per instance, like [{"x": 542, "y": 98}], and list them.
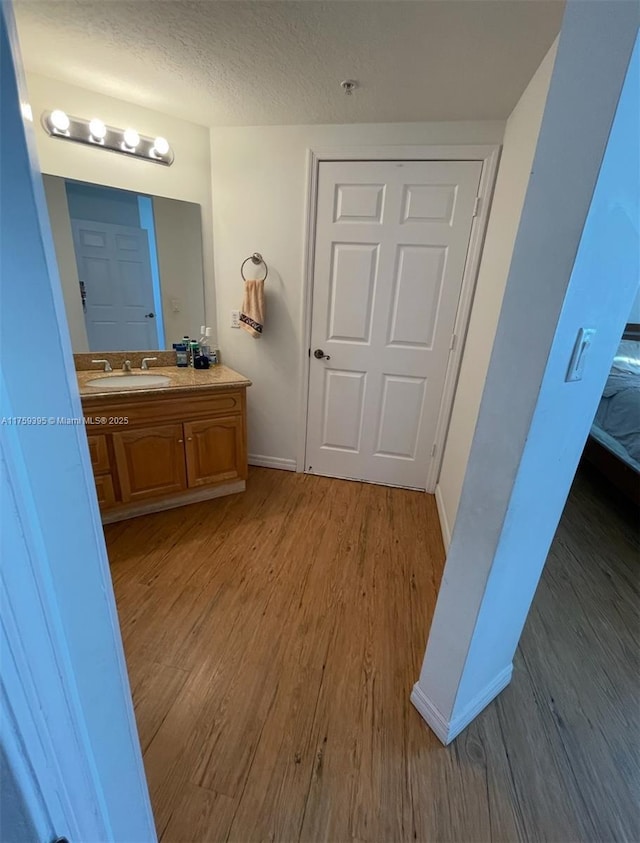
[{"x": 614, "y": 444}]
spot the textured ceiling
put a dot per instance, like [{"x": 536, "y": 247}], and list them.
[{"x": 256, "y": 63}]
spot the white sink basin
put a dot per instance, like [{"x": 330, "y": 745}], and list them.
[{"x": 141, "y": 381}]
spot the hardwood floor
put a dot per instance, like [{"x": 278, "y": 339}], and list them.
[{"x": 273, "y": 638}]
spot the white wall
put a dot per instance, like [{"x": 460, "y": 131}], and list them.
[
  {"x": 520, "y": 139},
  {"x": 601, "y": 289},
  {"x": 259, "y": 197},
  {"x": 188, "y": 178},
  {"x": 179, "y": 250},
  {"x": 532, "y": 425}
]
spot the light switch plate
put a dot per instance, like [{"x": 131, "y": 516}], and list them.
[
  {"x": 235, "y": 318},
  {"x": 579, "y": 355}
]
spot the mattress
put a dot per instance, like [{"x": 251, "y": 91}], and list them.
[
  {"x": 614, "y": 446},
  {"x": 617, "y": 421}
]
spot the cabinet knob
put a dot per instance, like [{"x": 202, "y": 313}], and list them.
[
  {"x": 189, "y": 438},
  {"x": 180, "y": 441}
]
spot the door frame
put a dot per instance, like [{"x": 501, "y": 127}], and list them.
[
  {"x": 66, "y": 712},
  {"x": 489, "y": 156}
]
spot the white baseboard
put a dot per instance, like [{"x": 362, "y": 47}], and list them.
[
  {"x": 272, "y": 462},
  {"x": 430, "y": 714},
  {"x": 446, "y": 730},
  {"x": 442, "y": 514}
]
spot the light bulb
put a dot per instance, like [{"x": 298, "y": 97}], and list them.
[
  {"x": 98, "y": 129},
  {"x": 161, "y": 146},
  {"x": 59, "y": 120},
  {"x": 131, "y": 138}
]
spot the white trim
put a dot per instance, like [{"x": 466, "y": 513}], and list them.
[
  {"x": 438, "y": 724},
  {"x": 472, "y": 267},
  {"x": 446, "y": 730},
  {"x": 489, "y": 155},
  {"x": 306, "y": 302},
  {"x": 444, "y": 521},
  {"x": 427, "y": 152},
  {"x": 58, "y": 713},
  {"x": 272, "y": 462},
  {"x": 34, "y": 666}
]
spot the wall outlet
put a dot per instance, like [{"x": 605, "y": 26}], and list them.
[{"x": 235, "y": 318}]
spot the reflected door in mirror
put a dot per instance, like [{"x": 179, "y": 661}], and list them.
[{"x": 115, "y": 268}]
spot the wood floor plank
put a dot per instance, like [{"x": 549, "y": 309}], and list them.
[
  {"x": 588, "y": 677},
  {"x": 200, "y": 816},
  {"x": 154, "y": 691},
  {"x": 272, "y": 640}
]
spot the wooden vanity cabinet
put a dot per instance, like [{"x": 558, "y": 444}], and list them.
[
  {"x": 172, "y": 450},
  {"x": 101, "y": 463},
  {"x": 106, "y": 492},
  {"x": 150, "y": 461},
  {"x": 215, "y": 450}
]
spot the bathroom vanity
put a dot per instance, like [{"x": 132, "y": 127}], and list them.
[
  {"x": 177, "y": 437},
  {"x": 132, "y": 273}
]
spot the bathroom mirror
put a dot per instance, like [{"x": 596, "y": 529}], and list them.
[{"x": 130, "y": 266}]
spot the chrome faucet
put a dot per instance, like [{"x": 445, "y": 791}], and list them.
[
  {"x": 126, "y": 366},
  {"x": 105, "y": 363},
  {"x": 146, "y": 361}
]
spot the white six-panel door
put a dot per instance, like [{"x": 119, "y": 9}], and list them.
[
  {"x": 115, "y": 266},
  {"x": 390, "y": 250}
]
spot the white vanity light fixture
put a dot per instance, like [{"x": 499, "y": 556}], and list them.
[
  {"x": 96, "y": 133},
  {"x": 60, "y": 122},
  {"x": 130, "y": 139},
  {"x": 160, "y": 146}
]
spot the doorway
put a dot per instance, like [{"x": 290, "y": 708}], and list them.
[{"x": 392, "y": 251}]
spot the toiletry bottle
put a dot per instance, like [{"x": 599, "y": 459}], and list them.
[
  {"x": 194, "y": 350},
  {"x": 187, "y": 341},
  {"x": 182, "y": 354},
  {"x": 212, "y": 352},
  {"x": 204, "y": 341}
]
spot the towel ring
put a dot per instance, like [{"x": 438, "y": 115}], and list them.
[{"x": 256, "y": 258}]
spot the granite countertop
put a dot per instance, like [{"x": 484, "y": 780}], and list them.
[{"x": 182, "y": 380}]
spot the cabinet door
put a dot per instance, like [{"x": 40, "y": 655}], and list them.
[
  {"x": 215, "y": 450},
  {"x": 150, "y": 461},
  {"x": 105, "y": 491},
  {"x": 99, "y": 453}
]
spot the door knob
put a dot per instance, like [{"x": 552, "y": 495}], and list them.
[
  {"x": 149, "y": 315},
  {"x": 319, "y": 354}
]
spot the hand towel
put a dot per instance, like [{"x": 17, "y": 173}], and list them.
[{"x": 252, "y": 314}]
